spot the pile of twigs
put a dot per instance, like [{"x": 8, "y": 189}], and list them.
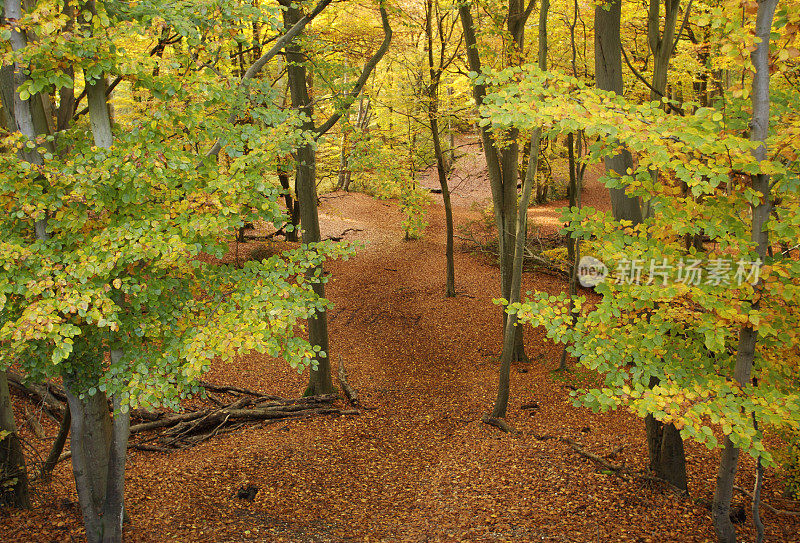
[{"x": 224, "y": 409}]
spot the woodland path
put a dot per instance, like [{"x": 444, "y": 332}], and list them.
[{"x": 419, "y": 466}]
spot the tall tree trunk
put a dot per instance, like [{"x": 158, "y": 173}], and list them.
[
  {"x": 320, "y": 381},
  {"x": 28, "y": 118},
  {"x": 441, "y": 167},
  {"x": 503, "y": 170},
  {"x": 608, "y": 74},
  {"x": 748, "y": 337},
  {"x": 502, "y": 165},
  {"x": 573, "y": 245},
  {"x": 344, "y": 155},
  {"x": 501, "y": 403},
  {"x": 574, "y": 151},
  {"x": 661, "y": 43},
  {"x": 518, "y": 15},
  {"x": 98, "y": 444},
  {"x": 666, "y": 456}
]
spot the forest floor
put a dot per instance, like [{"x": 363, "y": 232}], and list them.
[{"x": 418, "y": 465}]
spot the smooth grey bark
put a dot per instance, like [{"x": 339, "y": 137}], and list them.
[
  {"x": 502, "y": 166},
  {"x": 501, "y": 403},
  {"x": 442, "y": 168},
  {"x": 503, "y": 169},
  {"x": 320, "y": 380},
  {"x": 661, "y": 42},
  {"x": 114, "y": 506},
  {"x": 12, "y": 459},
  {"x": 608, "y": 76},
  {"x": 89, "y": 444},
  {"x": 97, "y": 443},
  {"x": 745, "y": 356}
]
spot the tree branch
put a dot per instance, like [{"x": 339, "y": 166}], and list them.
[
  {"x": 362, "y": 80},
  {"x": 259, "y": 64},
  {"x": 683, "y": 26}
]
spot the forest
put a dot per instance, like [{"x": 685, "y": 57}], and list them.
[{"x": 400, "y": 270}]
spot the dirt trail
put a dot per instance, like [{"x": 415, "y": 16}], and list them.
[{"x": 419, "y": 465}]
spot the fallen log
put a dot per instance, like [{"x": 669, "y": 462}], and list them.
[
  {"x": 39, "y": 393},
  {"x": 165, "y": 422},
  {"x": 234, "y": 390}
]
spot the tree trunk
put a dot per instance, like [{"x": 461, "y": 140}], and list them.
[
  {"x": 573, "y": 245},
  {"x": 661, "y": 43},
  {"x": 98, "y": 448},
  {"x": 748, "y": 337},
  {"x": 320, "y": 381},
  {"x": 575, "y": 187},
  {"x": 98, "y": 445},
  {"x": 608, "y": 74},
  {"x": 13, "y": 472},
  {"x": 441, "y": 167},
  {"x": 90, "y": 440},
  {"x": 608, "y": 69},
  {"x": 665, "y": 449},
  {"x": 503, "y": 170},
  {"x": 501, "y": 403},
  {"x": 664, "y": 443},
  {"x": 28, "y": 118},
  {"x": 58, "y": 446}
]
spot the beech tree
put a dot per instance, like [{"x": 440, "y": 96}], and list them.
[
  {"x": 664, "y": 444},
  {"x": 711, "y": 328},
  {"x": 503, "y": 168},
  {"x": 438, "y": 30},
  {"x": 320, "y": 381},
  {"x": 103, "y": 284}
]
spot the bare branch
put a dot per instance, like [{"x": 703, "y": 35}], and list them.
[{"x": 367, "y": 71}]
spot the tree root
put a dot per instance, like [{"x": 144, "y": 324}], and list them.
[{"x": 497, "y": 423}]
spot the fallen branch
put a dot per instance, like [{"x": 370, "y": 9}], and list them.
[
  {"x": 234, "y": 390},
  {"x": 350, "y": 393},
  {"x": 591, "y": 456},
  {"x": 182, "y": 430},
  {"x": 344, "y": 232}
]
